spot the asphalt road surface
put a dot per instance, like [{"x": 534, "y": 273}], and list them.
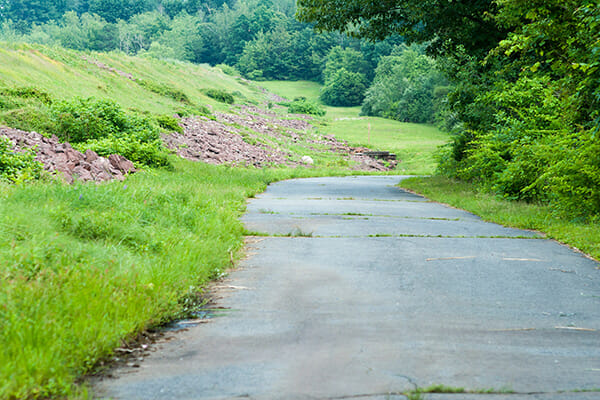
[{"x": 360, "y": 290}]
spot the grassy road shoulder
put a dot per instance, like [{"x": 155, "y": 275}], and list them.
[
  {"x": 88, "y": 266},
  {"x": 584, "y": 236}
]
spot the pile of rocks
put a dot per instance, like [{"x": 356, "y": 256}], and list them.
[
  {"x": 61, "y": 159},
  {"x": 214, "y": 142}
]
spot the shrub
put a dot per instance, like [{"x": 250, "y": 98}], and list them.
[
  {"x": 193, "y": 110},
  {"x": 29, "y": 118},
  {"x": 27, "y": 92},
  {"x": 169, "y": 123},
  {"x": 17, "y": 166},
  {"x": 152, "y": 153},
  {"x": 81, "y": 119},
  {"x": 305, "y": 107},
  {"x": 228, "y": 69},
  {"x": 219, "y": 95},
  {"x": 103, "y": 126},
  {"x": 165, "y": 90}
]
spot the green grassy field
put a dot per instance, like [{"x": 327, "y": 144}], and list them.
[{"x": 414, "y": 144}]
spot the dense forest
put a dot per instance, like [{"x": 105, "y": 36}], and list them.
[
  {"x": 260, "y": 38},
  {"x": 526, "y": 102}
]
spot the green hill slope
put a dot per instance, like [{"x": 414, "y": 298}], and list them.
[{"x": 67, "y": 73}]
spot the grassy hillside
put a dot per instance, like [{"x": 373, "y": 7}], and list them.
[
  {"x": 414, "y": 144},
  {"x": 66, "y": 74}
]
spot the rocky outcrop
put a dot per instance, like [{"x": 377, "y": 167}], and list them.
[{"x": 63, "y": 160}]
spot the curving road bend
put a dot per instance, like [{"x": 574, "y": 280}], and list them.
[{"x": 360, "y": 290}]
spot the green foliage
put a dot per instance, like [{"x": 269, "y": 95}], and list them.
[
  {"x": 228, "y": 69},
  {"x": 220, "y": 95},
  {"x": 302, "y": 106},
  {"x": 26, "y": 108},
  {"x": 16, "y": 167},
  {"x": 350, "y": 59},
  {"x": 142, "y": 152},
  {"x": 27, "y": 92},
  {"x": 344, "y": 88},
  {"x": 165, "y": 90},
  {"x": 443, "y": 24},
  {"x": 102, "y": 126},
  {"x": 407, "y": 87},
  {"x": 82, "y": 119},
  {"x": 169, "y": 123}
]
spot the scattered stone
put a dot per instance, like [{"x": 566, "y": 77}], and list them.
[{"x": 63, "y": 160}]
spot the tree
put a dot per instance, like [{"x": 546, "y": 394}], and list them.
[
  {"x": 113, "y": 10},
  {"x": 344, "y": 89},
  {"x": 404, "y": 87},
  {"x": 445, "y": 23},
  {"x": 350, "y": 59}
]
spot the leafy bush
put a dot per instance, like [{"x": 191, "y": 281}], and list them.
[
  {"x": 103, "y": 126},
  {"x": 27, "y": 92},
  {"x": 29, "y": 118},
  {"x": 169, "y": 123},
  {"x": 219, "y": 95},
  {"x": 228, "y": 69},
  {"x": 17, "y": 166},
  {"x": 151, "y": 153},
  {"x": 82, "y": 119},
  {"x": 305, "y": 107},
  {"x": 165, "y": 90},
  {"x": 189, "y": 111}
]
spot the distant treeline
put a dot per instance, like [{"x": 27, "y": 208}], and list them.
[{"x": 260, "y": 38}]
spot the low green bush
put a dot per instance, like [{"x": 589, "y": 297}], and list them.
[
  {"x": 219, "y": 95},
  {"x": 228, "y": 69},
  {"x": 29, "y": 118},
  {"x": 16, "y": 166},
  {"x": 151, "y": 153},
  {"x": 165, "y": 90},
  {"x": 27, "y": 92},
  {"x": 301, "y": 106},
  {"x": 103, "y": 126},
  {"x": 169, "y": 123}
]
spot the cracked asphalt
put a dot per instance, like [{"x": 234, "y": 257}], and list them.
[{"x": 359, "y": 290}]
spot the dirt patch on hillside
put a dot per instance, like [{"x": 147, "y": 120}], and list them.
[{"x": 62, "y": 160}]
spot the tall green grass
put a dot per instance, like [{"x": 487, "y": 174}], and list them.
[{"x": 85, "y": 266}]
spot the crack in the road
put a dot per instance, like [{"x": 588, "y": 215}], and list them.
[
  {"x": 383, "y": 235},
  {"x": 471, "y": 393}
]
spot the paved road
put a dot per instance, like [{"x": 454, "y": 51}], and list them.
[{"x": 378, "y": 292}]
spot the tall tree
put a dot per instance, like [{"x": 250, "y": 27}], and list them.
[{"x": 445, "y": 23}]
